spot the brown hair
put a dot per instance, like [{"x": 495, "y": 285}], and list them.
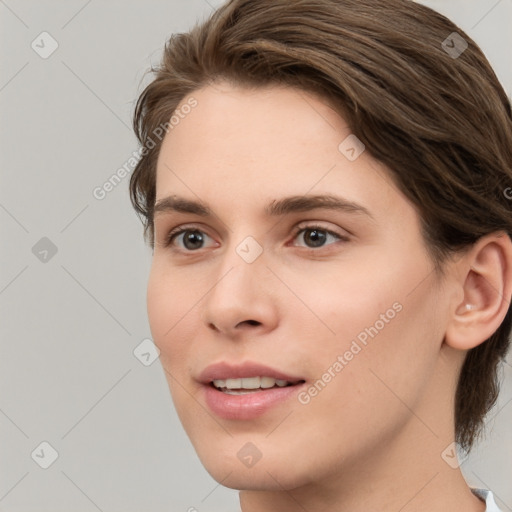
[{"x": 440, "y": 121}]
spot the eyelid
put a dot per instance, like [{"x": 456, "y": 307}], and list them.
[
  {"x": 341, "y": 233},
  {"x": 183, "y": 227}
]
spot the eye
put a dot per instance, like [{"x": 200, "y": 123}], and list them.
[
  {"x": 317, "y": 236},
  {"x": 189, "y": 239}
]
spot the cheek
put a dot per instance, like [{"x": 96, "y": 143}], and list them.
[
  {"x": 384, "y": 321},
  {"x": 354, "y": 299},
  {"x": 160, "y": 305},
  {"x": 389, "y": 348},
  {"x": 170, "y": 305}
]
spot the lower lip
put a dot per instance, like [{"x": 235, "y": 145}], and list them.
[{"x": 250, "y": 405}]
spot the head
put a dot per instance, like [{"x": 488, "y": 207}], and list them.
[{"x": 264, "y": 101}]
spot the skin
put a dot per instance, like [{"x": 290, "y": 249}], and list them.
[{"x": 372, "y": 439}]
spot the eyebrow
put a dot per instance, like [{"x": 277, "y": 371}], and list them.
[{"x": 275, "y": 208}]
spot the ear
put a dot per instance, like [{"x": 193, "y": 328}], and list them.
[{"x": 486, "y": 279}]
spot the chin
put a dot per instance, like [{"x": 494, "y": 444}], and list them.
[{"x": 272, "y": 474}]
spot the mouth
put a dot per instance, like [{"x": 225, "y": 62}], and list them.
[
  {"x": 247, "y": 391},
  {"x": 250, "y": 385}
]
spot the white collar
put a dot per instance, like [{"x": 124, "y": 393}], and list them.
[{"x": 488, "y": 497}]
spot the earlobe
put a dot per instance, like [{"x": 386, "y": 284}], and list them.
[{"x": 486, "y": 271}]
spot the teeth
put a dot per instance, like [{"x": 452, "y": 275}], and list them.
[
  {"x": 233, "y": 383},
  {"x": 267, "y": 382},
  {"x": 250, "y": 383}
]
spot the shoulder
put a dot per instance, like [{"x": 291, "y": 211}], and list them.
[{"x": 488, "y": 497}]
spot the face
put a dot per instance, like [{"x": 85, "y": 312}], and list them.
[{"x": 302, "y": 257}]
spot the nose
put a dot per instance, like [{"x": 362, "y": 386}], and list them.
[{"x": 242, "y": 298}]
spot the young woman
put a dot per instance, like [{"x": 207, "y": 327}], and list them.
[{"x": 332, "y": 263}]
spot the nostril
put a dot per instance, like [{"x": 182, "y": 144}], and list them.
[{"x": 252, "y": 322}]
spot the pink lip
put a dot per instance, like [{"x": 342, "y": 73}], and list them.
[{"x": 250, "y": 405}]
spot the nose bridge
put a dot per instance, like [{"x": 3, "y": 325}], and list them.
[
  {"x": 239, "y": 293},
  {"x": 243, "y": 265}
]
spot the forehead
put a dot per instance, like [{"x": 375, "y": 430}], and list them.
[
  {"x": 261, "y": 142},
  {"x": 256, "y": 122}
]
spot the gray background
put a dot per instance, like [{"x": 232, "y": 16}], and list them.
[{"x": 70, "y": 322}]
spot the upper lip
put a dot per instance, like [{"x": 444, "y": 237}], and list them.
[{"x": 224, "y": 370}]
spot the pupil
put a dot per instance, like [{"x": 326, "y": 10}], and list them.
[
  {"x": 316, "y": 237},
  {"x": 193, "y": 240}
]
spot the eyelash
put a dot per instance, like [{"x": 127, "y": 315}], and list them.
[{"x": 173, "y": 234}]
